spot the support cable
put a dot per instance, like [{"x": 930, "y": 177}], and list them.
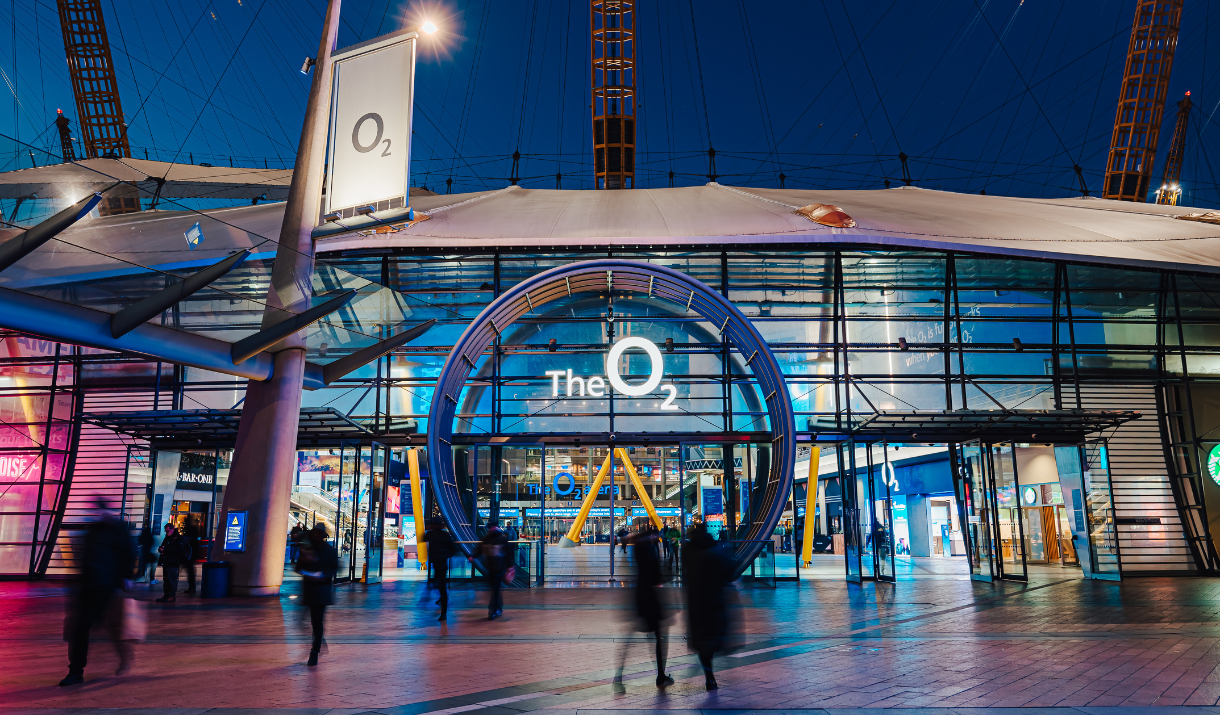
[{"x": 1075, "y": 163}]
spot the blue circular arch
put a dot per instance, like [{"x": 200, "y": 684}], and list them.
[{"x": 593, "y": 277}]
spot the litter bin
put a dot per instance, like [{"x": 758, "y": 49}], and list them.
[{"x": 215, "y": 579}]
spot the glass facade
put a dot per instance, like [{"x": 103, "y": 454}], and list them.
[{"x": 857, "y": 332}]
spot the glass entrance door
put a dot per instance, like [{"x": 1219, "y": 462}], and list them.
[
  {"x": 987, "y": 477},
  {"x": 575, "y": 477},
  {"x": 1010, "y": 526},
  {"x": 371, "y": 512},
  {"x": 345, "y": 511},
  {"x": 1084, "y": 474},
  {"x": 970, "y": 483},
  {"x": 881, "y": 512}
]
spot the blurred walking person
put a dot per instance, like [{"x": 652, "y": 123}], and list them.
[
  {"x": 708, "y": 571},
  {"x": 440, "y": 548},
  {"x": 317, "y": 563},
  {"x": 148, "y": 564},
  {"x": 493, "y": 549},
  {"x": 107, "y": 558},
  {"x": 649, "y": 609},
  {"x": 175, "y": 550}
]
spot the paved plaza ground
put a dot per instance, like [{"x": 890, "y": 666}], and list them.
[{"x": 934, "y": 641}]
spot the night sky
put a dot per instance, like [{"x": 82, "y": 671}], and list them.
[{"x": 1002, "y": 95}]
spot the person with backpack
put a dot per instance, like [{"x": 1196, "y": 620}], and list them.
[
  {"x": 175, "y": 551},
  {"x": 440, "y": 548}
]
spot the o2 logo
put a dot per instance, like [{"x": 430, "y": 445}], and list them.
[
  {"x": 571, "y": 490},
  {"x": 366, "y": 148},
  {"x": 595, "y": 386}
]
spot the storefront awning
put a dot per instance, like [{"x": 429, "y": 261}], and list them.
[
  {"x": 1052, "y": 426},
  {"x": 217, "y": 429}
]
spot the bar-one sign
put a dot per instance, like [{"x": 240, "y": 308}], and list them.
[{"x": 595, "y": 385}]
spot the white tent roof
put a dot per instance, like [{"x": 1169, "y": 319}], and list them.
[
  {"x": 1090, "y": 229},
  {"x": 73, "y": 181},
  {"x": 1081, "y": 229}
]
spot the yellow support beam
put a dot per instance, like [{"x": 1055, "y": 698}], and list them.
[
  {"x": 811, "y": 502},
  {"x": 639, "y": 487},
  {"x": 417, "y": 506},
  {"x": 573, "y": 536}
]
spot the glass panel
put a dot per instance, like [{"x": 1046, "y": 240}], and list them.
[
  {"x": 705, "y": 471},
  {"x": 345, "y": 536},
  {"x": 571, "y": 475},
  {"x": 1099, "y": 506},
  {"x": 850, "y": 516},
  {"x": 1009, "y": 528},
  {"x": 866, "y": 526},
  {"x": 979, "y": 518},
  {"x": 883, "y": 512},
  {"x": 375, "y": 515}
]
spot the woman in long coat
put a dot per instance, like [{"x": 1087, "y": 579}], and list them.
[
  {"x": 317, "y": 565},
  {"x": 708, "y": 571}
]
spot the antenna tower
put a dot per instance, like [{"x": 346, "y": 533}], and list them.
[
  {"x": 1171, "y": 188},
  {"x": 99, "y": 114},
  {"x": 98, "y": 110},
  {"x": 1141, "y": 103},
  {"x": 612, "y": 24}
]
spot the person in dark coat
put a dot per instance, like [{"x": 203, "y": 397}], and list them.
[
  {"x": 107, "y": 558},
  {"x": 175, "y": 551},
  {"x": 649, "y": 608},
  {"x": 708, "y": 570},
  {"x": 146, "y": 555},
  {"x": 494, "y": 551},
  {"x": 441, "y": 548},
  {"x": 317, "y": 564},
  {"x": 190, "y": 532}
]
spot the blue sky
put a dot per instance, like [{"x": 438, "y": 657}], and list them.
[{"x": 1002, "y": 95}]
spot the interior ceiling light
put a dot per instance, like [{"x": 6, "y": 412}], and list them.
[{"x": 827, "y": 215}]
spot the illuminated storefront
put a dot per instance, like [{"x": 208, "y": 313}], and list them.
[{"x": 951, "y": 401}]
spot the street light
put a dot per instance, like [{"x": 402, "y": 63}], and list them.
[{"x": 428, "y": 27}]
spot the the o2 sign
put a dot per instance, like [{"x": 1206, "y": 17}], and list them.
[
  {"x": 595, "y": 385},
  {"x": 375, "y": 119},
  {"x": 372, "y": 91}
]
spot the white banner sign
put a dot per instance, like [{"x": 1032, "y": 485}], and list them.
[{"x": 370, "y": 124}]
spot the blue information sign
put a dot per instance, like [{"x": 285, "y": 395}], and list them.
[
  {"x": 713, "y": 501},
  {"x": 235, "y": 531}
]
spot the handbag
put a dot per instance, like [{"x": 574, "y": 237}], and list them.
[
  {"x": 134, "y": 624},
  {"x": 509, "y": 574}
]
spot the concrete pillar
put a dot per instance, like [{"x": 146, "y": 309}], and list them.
[
  {"x": 917, "y": 525},
  {"x": 260, "y": 481},
  {"x": 264, "y": 458}
]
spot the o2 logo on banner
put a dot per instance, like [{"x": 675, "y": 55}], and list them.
[
  {"x": 370, "y": 124},
  {"x": 595, "y": 386}
]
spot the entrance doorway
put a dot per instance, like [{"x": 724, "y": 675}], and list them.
[
  {"x": 1033, "y": 508},
  {"x": 594, "y": 496}
]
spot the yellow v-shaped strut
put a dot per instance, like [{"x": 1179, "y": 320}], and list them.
[{"x": 573, "y": 536}]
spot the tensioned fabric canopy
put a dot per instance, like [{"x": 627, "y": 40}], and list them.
[
  {"x": 1089, "y": 229},
  {"x": 1092, "y": 230},
  {"x": 72, "y": 181}
]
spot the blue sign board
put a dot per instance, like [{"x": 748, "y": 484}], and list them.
[
  {"x": 638, "y": 511},
  {"x": 235, "y": 531},
  {"x": 713, "y": 501},
  {"x": 566, "y": 513}
]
